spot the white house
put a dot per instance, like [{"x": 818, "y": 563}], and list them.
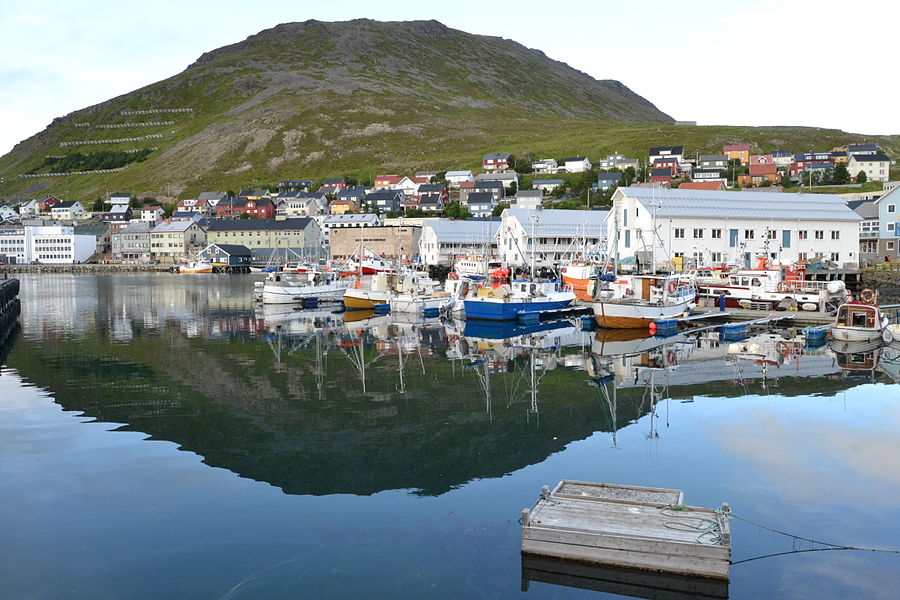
[
  {"x": 676, "y": 152},
  {"x": 544, "y": 165},
  {"x": 454, "y": 178},
  {"x": 547, "y": 185},
  {"x": 47, "y": 244},
  {"x": 707, "y": 228},
  {"x": 68, "y": 210},
  {"x": 302, "y": 204},
  {"x": 28, "y": 209},
  {"x": 152, "y": 214},
  {"x": 552, "y": 235},
  {"x": 119, "y": 198},
  {"x": 877, "y": 167},
  {"x": 6, "y": 213},
  {"x": 579, "y": 164},
  {"x": 443, "y": 240}
]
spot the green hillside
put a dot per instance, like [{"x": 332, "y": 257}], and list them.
[{"x": 314, "y": 100}]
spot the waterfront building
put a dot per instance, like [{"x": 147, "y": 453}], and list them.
[
  {"x": 176, "y": 238},
  {"x": 53, "y": 244},
  {"x": 301, "y": 234},
  {"x": 101, "y": 232},
  {"x": 443, "y": 240},
  {"x": 554, "y": 236},
  {"x": 715, "y": 227},
  {"x": 401, "y": 242},
  {"x": 132, "y": 242}
]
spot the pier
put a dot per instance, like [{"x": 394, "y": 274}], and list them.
[
  {"x": 628, "y": 526},
  {"x": 9, "y": 306}
]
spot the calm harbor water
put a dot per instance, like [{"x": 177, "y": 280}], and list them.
[{"x": 162, "y": 437}]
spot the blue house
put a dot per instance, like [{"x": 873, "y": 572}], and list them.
[{"x": 607, "y": 181}]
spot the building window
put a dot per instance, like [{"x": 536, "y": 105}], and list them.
[
  {"x": 717, "y": 257},
  {"x": 890, "y": 245},
  {"x": 716, "y": 233},
  {"x": 891, "y": 226},
  {"x": 820, "y": 234},
  {"x": 679, "y": 233},
  {"x": 835, "y": 235},
  {"x": 698, "y": 234},
  {"x": 770, "y": 234},
  {"x": 802, "y": 234},
  {"x": 890, "y": 208},
  {"x": 748, "y": 234}
]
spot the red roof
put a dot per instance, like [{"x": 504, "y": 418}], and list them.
[
  {"x": 702, "y": 185},
  {"x": 758, "y": 159},
  {"x": 763, "y": 169},
  {"x": 387, "y": 179},
  {"x": 466, "y": 185},
  {"x": 421, "y": 180}
]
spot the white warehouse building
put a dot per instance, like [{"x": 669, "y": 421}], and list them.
[
  {"x": 443, "y": 240},
  {"x": 554, "y": 236},
  {"x": 707, "y": 228},
  {"x": 47, "y": 244}
]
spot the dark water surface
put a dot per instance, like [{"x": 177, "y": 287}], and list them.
[{"x": 162, "y": 437}]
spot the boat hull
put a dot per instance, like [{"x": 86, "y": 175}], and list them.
[
  {"x": 293, "y": 294},
  {"x": 855, "y": 334},
  {"x": 364, "y": 299},
  {"x": 490, "y": 309},
  {"x": 618, "y": 315},
  {"x": 416, "y": 305},
  {"x": 580, "y": 287}
]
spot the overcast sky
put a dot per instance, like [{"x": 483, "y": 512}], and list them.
[{"x": 825, "y": 63}]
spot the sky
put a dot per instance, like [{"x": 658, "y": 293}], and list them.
[{"x": 765, "y": 62}]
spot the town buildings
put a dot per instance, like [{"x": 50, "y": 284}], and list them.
[
  {"x": 132, "y": 242},
  {"x": 51, "y": 244},
  {"x": 394, "y": 242},
  {"x": 176, "y": 238},
  {"x": 552, "y": 235},
  {"x": 302, "y": 235}
]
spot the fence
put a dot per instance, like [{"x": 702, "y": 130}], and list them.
[
  {"x": 152, "y": 136},
  {"x": 97, "y": 172},
  {"x": 127, "y": 125},
  {"x": 154, "y": 111}
]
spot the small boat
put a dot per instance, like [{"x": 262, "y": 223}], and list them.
[
  {"x": 505, "y": 302},
  {"x": 860, "y": 320},
  {"x": 379, "y": 292},
  {"x": 637, "y": 301},
  {"x": 282, "y": 288},
  {"x": 368, "y": 265},
  {"x": 417, "y": 293},
  {"x": 196, "y": 266},
  {"x": 580, "y": 277}
]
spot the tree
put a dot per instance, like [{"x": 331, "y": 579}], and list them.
[
  {"x": 97, "y": 206},
  {"x": 840, "y": 175},
  {"x": 511, "y": 190},
  {"x": 522, "y": 164},
  {"x": 861, "y": 177},
  {"x": 628, "y": 176},
  {"x": 498, "y": 210},
  {"x": 245, "y": 215}
]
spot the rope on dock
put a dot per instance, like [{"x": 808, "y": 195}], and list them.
[{"x": 709, "y": 530}]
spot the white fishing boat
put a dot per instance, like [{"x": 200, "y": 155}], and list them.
[
  {"x": 636, "y": 301},
  {"x": 860, "y": 321},
  {"x": 284, "y": 288},
  {"x": 196, "y": 266},
  {"x": 380, "y": 291},
  {"x": 416, "y": 293}
]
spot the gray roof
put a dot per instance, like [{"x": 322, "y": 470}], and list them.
[
  {"x": 496, "y": 177},
  {"x": 862, "y": 147},
  {"x": 64, "y": 204},
  {"x": 137, "y": 227},
  {"x": 258, "y": 224},
  {"x": 548, "y": 182},
  {"x": 232, "y": 249},
  {"x": 861, "y": 158},
  {"x": 669, "y": 149},
  {"x": 480, "y": 198},
  {"x": 567, "y": 223},
  {"x": 867, "y": 209},
  {"x": 463, "y": 231},
  {"x": 711, "y": 157},
  {"x": 529, "y": 194},
  {"x": 212, "y": 196},
  {"x": 173, "y": 226},
  {"x": 609, "y": 176},
  {"x": 737, "y": 205}
]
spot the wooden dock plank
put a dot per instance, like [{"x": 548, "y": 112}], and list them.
[{"x": 618, "y": 493}]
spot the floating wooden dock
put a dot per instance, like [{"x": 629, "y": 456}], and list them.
[
  {"x": 800, "y": 317},
  {"x": 628, "y": 526}
]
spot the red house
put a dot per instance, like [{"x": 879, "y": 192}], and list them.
[
  {"x": 495, "y": 162},
  {"x": 661, "y": 176},
  {"x": 386, "y": 181},
  {"x": 258, "y": 209},
  {"x": 667, "y": 163},
  {"x": 46, "y": 203},
  {"x": 338, "y": 184}
]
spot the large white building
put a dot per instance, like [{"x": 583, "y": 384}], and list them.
[
  {"x": 443, "y": 240},
  {"x": 47, "y": 245},
  {"x": 329, "y": 222},
  {"x": 877, "y": 167},
  {"x": 552, "y": 236},
  {"x": 705, "y": 228}
]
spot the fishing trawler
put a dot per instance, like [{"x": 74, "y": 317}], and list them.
[
  {"x": 284, "y": 288},
  {"x": 636, "y": 301},
  {"x": 196, "y": 266},
  {"x": 505, "y": 302}
]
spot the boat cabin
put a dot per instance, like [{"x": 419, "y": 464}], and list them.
[{"x": 858, "y": 314}]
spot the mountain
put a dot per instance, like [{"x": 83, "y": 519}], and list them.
[{"x": 314, "y": 99}]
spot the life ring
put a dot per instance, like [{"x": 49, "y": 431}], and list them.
[
  {"x": 782, "y": 287},
  {"x": 781, "y": 348},
  {"x": 453, "y": 275},
  {"x": 673, "y": 285},
  {"x": 867, "y": 296},
  {"x": 670, "y": 357}
]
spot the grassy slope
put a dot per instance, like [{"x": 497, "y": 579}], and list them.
[{"x": 420, "y": 96}]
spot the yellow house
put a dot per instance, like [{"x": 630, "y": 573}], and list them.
[
  {"x": 740, "y": 151},
  {"x": 340, "y": 207}
]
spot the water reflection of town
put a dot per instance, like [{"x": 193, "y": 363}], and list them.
[{"x": 317, "y": 401}]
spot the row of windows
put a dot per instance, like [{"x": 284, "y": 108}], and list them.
[{"x": 750, "y": 234}]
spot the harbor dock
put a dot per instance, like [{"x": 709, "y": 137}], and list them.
[{"x": 628, "y": 526}]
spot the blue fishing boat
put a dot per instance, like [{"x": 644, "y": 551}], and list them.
[{"x": 505, "y": 302}]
